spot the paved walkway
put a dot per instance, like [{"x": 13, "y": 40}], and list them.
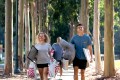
[{"x": 68, "y": 75}]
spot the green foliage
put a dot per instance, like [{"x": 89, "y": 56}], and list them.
[
  {"x": 91, "y": 12},
  {"x": 60, "y": 29},
  {"x": 2, "y": 13},
  {"x": 31, "y": 1},
  {"x": 117, "y": 13},
  {"x": 61, "y": 12},
  {"x": 117, "y": 41},
  {"x": 2, "y": 20}
]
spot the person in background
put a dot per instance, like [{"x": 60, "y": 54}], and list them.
[
  {"x": 80, "y": 41},
  {"x": 58, "y": 54},
  {"x": 43, "y": 57}
]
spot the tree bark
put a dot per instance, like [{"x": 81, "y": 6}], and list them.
[
  {"x": 27, "y": 31},
  {"x": 8, "y": 68},
  {"x": 96, "y": 35},
  {"x": 20, "y": 34},
  {"x": 33, "y": 22},
  {"x": 84, "y": 14},
  {"x": 40, "y": 16},
  {"x": 37, "y": 16},
  {"x": 72, "y": 29},
  {"x": 109, "y": 69}
]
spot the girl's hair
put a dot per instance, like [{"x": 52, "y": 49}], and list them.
[{"x": 47, "y": 40}]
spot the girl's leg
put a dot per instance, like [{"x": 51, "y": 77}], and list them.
[
  {"x": 45, "y": 73},
  {"x": 41, "y": 73}
]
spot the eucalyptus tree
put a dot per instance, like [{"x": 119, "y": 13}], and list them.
[
  {"x": 27, "y": 29},
  {"x": 33, "y": 11},
  {"x": 8, "y": 68},
  {"x": 96, "y": 36},
  {"x": 43, "y": 11},
  {"x": 20, "y": 33},
  {"x": 40, "y": 15},
  {"x": 109, "y": 67},
  {"x": 84, "y": 14}
]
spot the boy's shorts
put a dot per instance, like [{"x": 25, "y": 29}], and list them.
[{"x": 80, "y": 63}]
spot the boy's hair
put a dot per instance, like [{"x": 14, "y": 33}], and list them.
[{"x": 79, "y": 24}]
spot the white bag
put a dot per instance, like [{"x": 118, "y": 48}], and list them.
[
  {"x": 53, "y": 68},
  {"x": 31, "y": 72},
  {"x": 87, "y": 55},
  {"x": 65, "y": 64}
]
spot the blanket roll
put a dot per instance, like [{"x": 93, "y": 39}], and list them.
[{"x": 69, "y": 50}]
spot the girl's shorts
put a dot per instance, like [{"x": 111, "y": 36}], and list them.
[{"x": 42, "y": 65}]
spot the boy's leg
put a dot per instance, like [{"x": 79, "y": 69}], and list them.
[
  {"x": 82, "y": 74},
  {"x": 75, "y": 72}
]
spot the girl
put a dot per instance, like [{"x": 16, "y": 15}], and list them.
[{"x": 43, "y": 57}]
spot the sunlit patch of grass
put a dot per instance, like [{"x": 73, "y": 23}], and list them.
[
  {"x": 117, "y": 64},
  {"x": 1, "y": 62}
]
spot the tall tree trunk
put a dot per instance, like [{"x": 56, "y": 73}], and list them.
[
  {"x": 37, "y": 16},
  {"x": 109, "y": 69},
  {"x": 71, "y": 29},
  {"x": 96, "y": 35},
  {"x": 20, "y": 34},
  {"x": 40, "y": 15},
  {"x": 27, "y": 31},
  {"x": 8, "y": 69},
  {"x": 33, "y": 22},
  {"x": 45, "y": 12},
  {"x": 84, "y": 14}
]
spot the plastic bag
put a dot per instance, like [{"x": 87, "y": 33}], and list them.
[
  {"x": 31, "y": 72},
  {"x": 53, "y": 68},
  {"x": 65, "y": 64},
  {"x": 87, "y": 55}
]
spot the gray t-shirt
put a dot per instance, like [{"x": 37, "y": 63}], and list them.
[{"x": 43, "y": 56}]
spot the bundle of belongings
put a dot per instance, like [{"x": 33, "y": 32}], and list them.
[{"x": 69, "y": 50}]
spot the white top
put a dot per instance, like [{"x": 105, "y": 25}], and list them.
[{"x": 43, "y": 56}]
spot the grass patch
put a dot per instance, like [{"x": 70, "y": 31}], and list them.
[
  {"x": 117, "y": 64},
  {"x": 1, "y": 62}
]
